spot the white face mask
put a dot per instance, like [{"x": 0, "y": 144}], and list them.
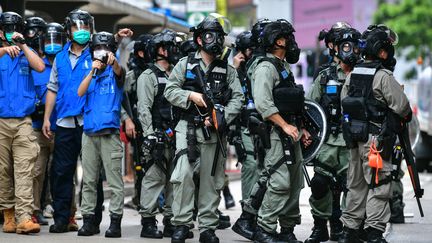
[{"x": 101, "y": 55}]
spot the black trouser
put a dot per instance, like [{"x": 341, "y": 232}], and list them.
[{"x": 67, "y": 146}]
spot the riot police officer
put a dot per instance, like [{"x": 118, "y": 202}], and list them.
[
  {"x": 280, "y": 102},
  {"x": 103, "y": 86},
  {"x": 197, "y": 137},
  {"x": 370, "y": 98},
  {"x": 138, "y": 62},
  {"x": 19, "y": 149},
  {"x": 331, "y": 163},
  {"x": 246, "y": 224},
  {"x": 240, "y": 137},
  {"x": 156, "y": 117}
]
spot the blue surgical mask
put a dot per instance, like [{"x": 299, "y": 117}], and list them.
[
  {"x": 8, "y": 36},
  {"x": 52, "y": 49},
  {"x": 81, "y": 36}
]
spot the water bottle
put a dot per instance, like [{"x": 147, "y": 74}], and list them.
[
  {"x": 169, "y": 133},
  {"x": 346, "y": 118},
  {"x": 250, "y": 105}
]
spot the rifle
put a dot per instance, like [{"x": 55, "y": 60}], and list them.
[
  {"x": 411, "y": 164},
  {"x": 137, "y": 153},
  {"x": 211, "y": 111}
]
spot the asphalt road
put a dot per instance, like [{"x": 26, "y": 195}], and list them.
[{"x": 416, "y": 229}]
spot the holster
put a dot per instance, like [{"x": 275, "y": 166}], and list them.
[
  {"x": 260, "y": 128},
  {"x": 192, "y": 148}
]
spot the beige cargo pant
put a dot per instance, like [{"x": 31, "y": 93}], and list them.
[
  {"x": 362, "y": 200},
  {"x": 40, "y": 167},
  {"x": 18, "y": 153}
]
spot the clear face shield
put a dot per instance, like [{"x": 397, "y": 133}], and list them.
[
  {"x": 8, "y": 31},
  {"x": 81, "y": 30},
  {"x": 53, "y": 42},
  {"x": 33, "y": 37}
]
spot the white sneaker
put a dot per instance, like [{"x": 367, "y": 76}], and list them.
[{"x": 48, "y": 211}]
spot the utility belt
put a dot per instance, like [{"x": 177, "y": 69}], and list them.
[
  {"x": 154, "y": 147},
  {"x": 355, "y": 131},
  {"x": 194, "y": 122}
]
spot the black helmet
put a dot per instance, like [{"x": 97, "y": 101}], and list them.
[
  {"x": 377, "y": 37},
  {"x": 141, "y": 44},
  {"x": 257, "y": 31},
  {"x": 244, "y": 41},
  {"x": 329, "y": 36},
  {"x": 168, "y": 40},
  {"x": 347, "y": 41},
  {"x": 188, "y": 46},
  {"x": 206, "y": 25},
  {"x": 33, "y": 32},
  {"x": 11, "y": 22},
  {"x": 54, "y": 38},
  {"x": 212, "y": 31},
  {"x": 78, "y": 17},
  {"x": 275, "y": 30},
  {"x": 105, "y": 39}
]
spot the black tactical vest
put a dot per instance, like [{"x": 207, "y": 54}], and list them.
[
  {"x": 215, "y": 78},
  {"x": 161, "y": 109},
  {"x": 330, "y": 100},
  {"x": 288, "y": 97},
  {"x": 360, "y": 104}
]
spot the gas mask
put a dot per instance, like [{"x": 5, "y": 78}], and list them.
[
  {"x": 348, "y": 53},
  {"x": 174, "y": 54},
  {"x": 292, "y": 53},
  {"x": 390, "y": 62},
  {"x": 213, "y": 42}
]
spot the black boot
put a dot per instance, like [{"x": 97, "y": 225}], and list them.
[
  {"x": 180, "y": 234},
  {"x": 150, "y": 229},
  {"x": 224, "y": 220},
  {"x": 89, "y": 227},
  {"x": 336, "y": 229},
  {"x": 375, "y": 236},
  {"x": 287, "y": 235},
  {"x": 397, "y": 210},
  {"x": 114, "y": 230},
  {"x": 261, "y": 236},
  {"x": 168, "y": 227},
  {"x": 319, "y": 231},
  {"x": 229, "y": 200},
  {"x": 245, "y": 225},
  {"x": 208, "y": 236},
  {"x": 349, "y": 236}
]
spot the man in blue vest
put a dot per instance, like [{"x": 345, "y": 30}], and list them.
[
  {"x": 18, "y": 148},
  {"x": 70, "y": 67},
  {"x": 103, "y": 87},
  {"x": 33, "y": 32}
]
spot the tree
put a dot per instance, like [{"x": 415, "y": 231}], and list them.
[{"x": 412, "y": 21}]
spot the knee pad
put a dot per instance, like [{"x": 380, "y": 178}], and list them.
[{"x": 319, "y": 186}]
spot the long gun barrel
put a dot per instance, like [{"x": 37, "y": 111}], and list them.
[{"x": 411, "y": 164}]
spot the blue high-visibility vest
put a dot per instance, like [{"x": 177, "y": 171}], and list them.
[
  {"x": 40, "y": 82},
  {"x": 103, "y": 102},
  {"x": 68, "y": 102},
  {"x": 17, "y": 90}
]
